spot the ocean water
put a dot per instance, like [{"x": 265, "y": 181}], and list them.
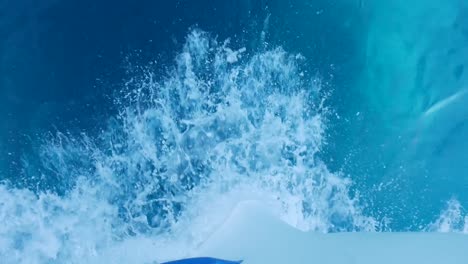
[{"x": 124, "y": 122}]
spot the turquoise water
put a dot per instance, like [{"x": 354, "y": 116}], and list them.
[{"x": 146, "y": 120}]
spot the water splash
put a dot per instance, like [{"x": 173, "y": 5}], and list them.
[
  {"x": 452, "y": 219},
  {"x": 220, "y": 127}
]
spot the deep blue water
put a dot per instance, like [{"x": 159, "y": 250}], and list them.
[{"x": 123, "y": 119}]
